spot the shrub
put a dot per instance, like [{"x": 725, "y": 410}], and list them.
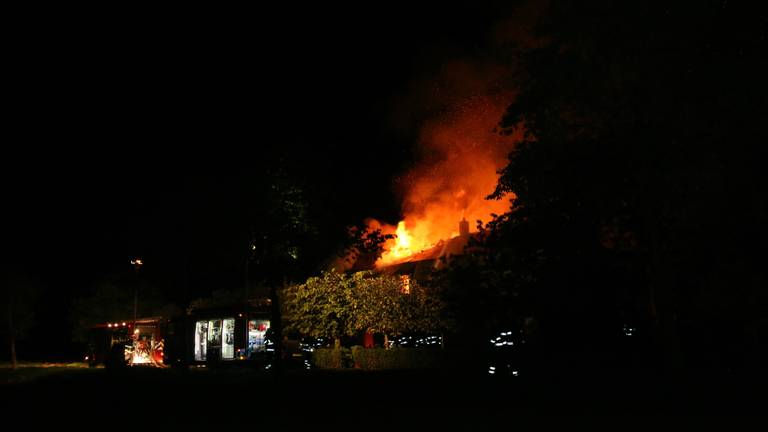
[
  {"x": 331, "y": 358},
  {"x": 396, "y": 358}
]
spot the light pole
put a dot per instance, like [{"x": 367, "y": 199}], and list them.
[{"x": 136, "y": 263}]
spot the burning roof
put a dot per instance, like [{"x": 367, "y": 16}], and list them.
[{"x": 442, "y": 250}]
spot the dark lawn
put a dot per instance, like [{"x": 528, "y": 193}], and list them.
[{"x": 246, "y": 398}]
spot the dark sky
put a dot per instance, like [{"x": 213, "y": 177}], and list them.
[{"x": 144, "y": 132}]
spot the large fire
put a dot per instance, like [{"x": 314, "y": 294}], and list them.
[
  {"x": 402, "y": 247},
  {"x": 462, "y": 154}
]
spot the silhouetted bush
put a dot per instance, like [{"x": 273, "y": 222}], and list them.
[
  {"x": 331, "y": 358},
  {"x": 397, "y": 358}
]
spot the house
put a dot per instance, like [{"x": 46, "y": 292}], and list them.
[{"x": 419, "y": 265}]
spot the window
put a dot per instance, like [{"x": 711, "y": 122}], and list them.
[
  {"x": 228, "y": 341},
  {"x": 201, "y": 340},
  {"x": 405, "y": 284},
  {"x": 217, "y": 336},
  {"x": 256, "y": 332}
]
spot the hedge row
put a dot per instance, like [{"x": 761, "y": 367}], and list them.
[
  {"x": 378, "y": 358},
  {"x": 330, "y": 358}
]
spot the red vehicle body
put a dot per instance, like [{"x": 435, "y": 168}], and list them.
[{"x": 128, "y": 343}]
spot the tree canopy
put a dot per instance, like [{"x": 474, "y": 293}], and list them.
[
  {"x": 111, "y": 300},
  {"x": 633, "y": 191},
  {"x": 335, "y": 304}
]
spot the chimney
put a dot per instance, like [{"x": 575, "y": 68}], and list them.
[{"x": 464, "y": 228}]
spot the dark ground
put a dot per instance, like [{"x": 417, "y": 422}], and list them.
[{"x": 148, "y": 398}]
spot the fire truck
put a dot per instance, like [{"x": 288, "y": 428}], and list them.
[
  {"x": 225, "y": 334},
  {"x": 131, "y": 343},
  {"x": 222, "y": 335}
]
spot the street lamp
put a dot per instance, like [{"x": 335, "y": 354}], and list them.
[{"x": 136, "y": 263}]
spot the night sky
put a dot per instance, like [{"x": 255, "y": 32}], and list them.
[
  {"x": 605, "y": 155},
  {"x": 146, "y": 135}
]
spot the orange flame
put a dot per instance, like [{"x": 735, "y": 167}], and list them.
[
  {"x": 461, "y": 157},
  {"x": 402, "y": 247}
]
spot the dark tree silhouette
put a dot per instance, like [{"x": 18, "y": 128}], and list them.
[
  {"x": 19, "y": 301},
  {"x": 634, "y": 194},
  {"x": 111, "y": 300},
  {"x": 283, "y": 232},
  {"x": 364, "y": 247}
]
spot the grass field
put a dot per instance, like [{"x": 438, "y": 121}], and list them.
[{"x": 75, "y": 394}]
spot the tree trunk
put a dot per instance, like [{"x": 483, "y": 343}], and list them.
[
  {"x": 14, "y": 362},
  {"x": 12, "y": 333},
  {"x": 662, "y": 305},
  {"x": 276, "y": 324},
  {"x": 386, "y": 341}
]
